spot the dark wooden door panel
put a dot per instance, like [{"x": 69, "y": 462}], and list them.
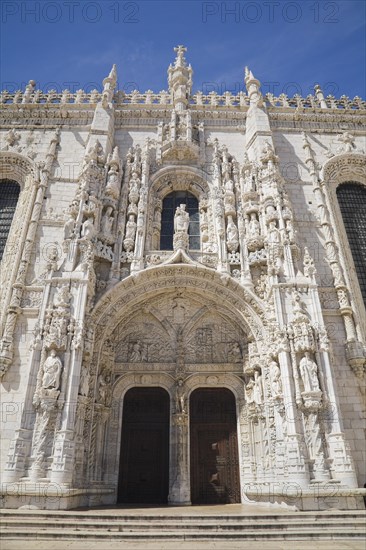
[
  {"x": 144, "y": 465},
  {"x": 214, "y": 449}
]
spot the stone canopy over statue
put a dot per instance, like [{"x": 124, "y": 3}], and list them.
[{"x": 181, "y": 226}]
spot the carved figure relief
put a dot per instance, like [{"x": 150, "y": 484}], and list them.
[
  {"x": 309, "y": 373},
  {"x": 52, "y": 372}
]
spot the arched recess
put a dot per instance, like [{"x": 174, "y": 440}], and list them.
[
  {"x": 347, "y": 167},
  {"x": 9, "y": 195},
  {"x": 167, "y": 180},
  {"x": 19, "y": 169},
  {"x": 218, "y": 289},
  {"x": 145, "y": 296},
  {"x": 352, "y": 202}
]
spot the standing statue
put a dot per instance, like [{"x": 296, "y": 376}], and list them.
[
  {"x": 69, "y": 227},
  {"x": 181, "y": 219},
  {"x": 103, "y": 388},
  {"x": 52, "y": 372},
  {"x": 258, "y": 388},
  {"x": 107, "y": 221},
  {"x": 180, "y": 397},
  {"x": 249, "y": 391},
  {"x": 309, "y": 373},
  {"x": 275, "y": 376},
  {"x": 253, "y": 226},
  {"x": 87, "y": 229},
  {"x": 273, "y": 233},
  {"x": 84, "y": 381}
]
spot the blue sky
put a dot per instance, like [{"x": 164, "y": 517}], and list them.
[{"x": 289, "y": 45}]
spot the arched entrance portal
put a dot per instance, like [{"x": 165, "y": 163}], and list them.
[
  {"x": 214, "y": 447},
  {"x": 144, "y": 463}
]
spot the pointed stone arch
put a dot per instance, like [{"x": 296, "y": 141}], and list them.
[
  {"x": 342, "y": 168},
  {"x": 219, "y": 290},
  {"x": 167, "y": 180},
  {"x": 23, "y": 171}
]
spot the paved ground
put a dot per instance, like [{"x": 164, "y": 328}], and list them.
[{"x": 181, "y": 545}]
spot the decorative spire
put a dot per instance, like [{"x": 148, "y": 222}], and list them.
[
  {"x": 253, "y": 87},
  {"x": 180, "y": 79},
  {"x": 320, "y": 96},
  {"x": 109, "y": 85}
]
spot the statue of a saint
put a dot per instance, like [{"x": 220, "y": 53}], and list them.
[
  {"x": 87, "y": 229},
  {"x": 309, "y": 373},
  {"x": 273, "y": 233},
  {"x": 84, "y": 381},
  {"x": 69, "y": 227},
  {"x": 181, "y": 219},
  {"x": 275, "y": 375},
  {"x": 249, "y": 391},
  {"x": 258, "y": 388},
  {"x": 180, "y": 397},
  {"x": 131, "y": 227},
  {"x": 253, "y": 226},
  {"x": 52, "y": 372},
  {"x": 232, "y": 234},
  {"x": 107, "y": 221},
  {"x": 103, "y": 387}
]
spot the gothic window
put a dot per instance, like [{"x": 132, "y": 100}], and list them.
[
  {"x": 352, "y": 202},
  {"x": 170, "y": 204},
  {"x": 9, "y": 193}
]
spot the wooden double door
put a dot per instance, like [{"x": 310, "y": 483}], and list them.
[
  {"x": 214, "y": 447},
  {"x": 144, "y": 463}
]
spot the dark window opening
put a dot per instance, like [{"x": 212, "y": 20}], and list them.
[
  {"x": 9, "y": 193},
  {"x": 170, "y": 204},
  {"x": 352, "y": 203}
]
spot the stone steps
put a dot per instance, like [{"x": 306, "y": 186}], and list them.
[{"x": 31, "y": 525}]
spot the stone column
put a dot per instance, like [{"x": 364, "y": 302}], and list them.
[{"x": 180, "y": 487}]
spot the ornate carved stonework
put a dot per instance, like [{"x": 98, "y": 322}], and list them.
[{"x": 178, "y": 256}]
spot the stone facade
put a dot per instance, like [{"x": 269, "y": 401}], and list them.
[{"x": 268, "y": 305}]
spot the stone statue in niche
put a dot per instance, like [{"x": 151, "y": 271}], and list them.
[
  {"x": 107, "y": 221},
  {"x": 254, "y": 389},
  {"x": 258, "y": 388},
  {"x": 181, "y": 219},
  {"x": 131, "y": 227},
  {"x": 253, "y": 226},
  {"x": 181, "y": 225},
  {"x": 52, "y": 372},
  {"x": 275, "y": 377},
  {"x": 232, "y": 235},
  {"x": 273, "y": 233},
  {"x": 309, "y": 373},
  {"x": 112, "y": 187},
  {"x": 290, "y": 230},
  {"x": 69, "y": 227},
  {"x": 180, "y": 397},
  {"x": 84, "y": 381},
  {"x": 87, "y": 229},
  {"x": 249, "y": 391},
  {"x": 103, "y": 388}
]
